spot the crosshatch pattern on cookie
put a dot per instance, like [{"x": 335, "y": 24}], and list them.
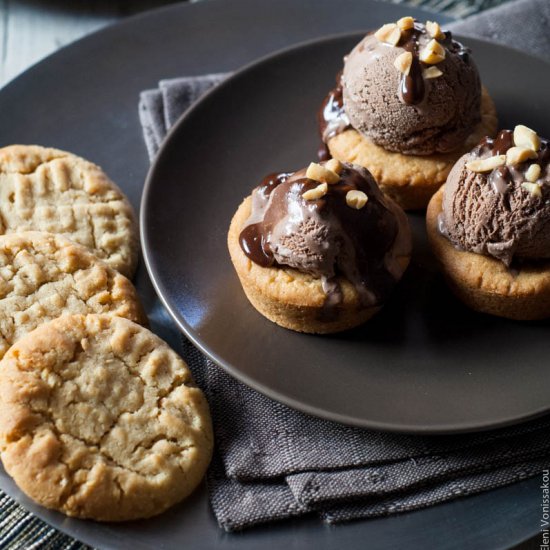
[{"x": 49, "y": 190}]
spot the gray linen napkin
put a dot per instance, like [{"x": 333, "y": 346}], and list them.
[
  {"x": 273, "y": 462},
  {"x": 159, "y": 109}
]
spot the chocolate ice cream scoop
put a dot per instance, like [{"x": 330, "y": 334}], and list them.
[
  {"x": 328, "y": 220},
  {"x": 409, "y": 88},
  {"x": 496, "y": 199}
]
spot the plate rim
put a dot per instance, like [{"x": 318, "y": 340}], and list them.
[{"x": 155, "y": 276}]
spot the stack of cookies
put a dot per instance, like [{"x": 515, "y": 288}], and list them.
[{"x": 99, "y": 418}]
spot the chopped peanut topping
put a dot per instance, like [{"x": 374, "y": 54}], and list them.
[{"x": 356, "y": 199}]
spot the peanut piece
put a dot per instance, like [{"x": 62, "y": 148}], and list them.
[
  {"x": 321, "y": 173},
  {"x": 486, "y": 165},
  {"x": 316, "y": 193},
  {"x": 434, "y": 29},
  {"x": 517, "y": 155},
  {"x": 406, "y": 23},
  {"x": 356, "y": 199},
  {"x": 403, "y": 62},
  {"x": 389, "y": 34},
  {"x": 533, "y": 188},
  {"x": 431, "y": 72},
  {"x": 525, "y": 137},
  {"x": 533, "y": 173},
  {"x": 334, "y": 165},
  {"x": 433, "y": 53}
]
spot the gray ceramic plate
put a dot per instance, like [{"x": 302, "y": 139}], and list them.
[
  {"x": 425, "y": 363},
  {"x": 98, "y": 119}
]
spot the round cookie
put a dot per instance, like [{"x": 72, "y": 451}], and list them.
[
  {"x": 486, "y": 284},
  {"x": 43, "y": 276},
  {"x": 410, "y": 180},
  {"x": 296, "y": 300},
  {"x": 49, "y": 190},
  {"x": 100, "y": 419}
]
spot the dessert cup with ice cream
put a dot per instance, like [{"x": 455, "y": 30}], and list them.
[
  {"x": 408, "y": 103},
  {"x": 319, "y": 250},
  {"x": 489, "y": 226}
]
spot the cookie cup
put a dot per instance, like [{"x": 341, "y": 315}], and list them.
[
  {"x": 296, "y": 300},
  {"x": 486, "y": 284},
  {"x": 410, "y": 180}
]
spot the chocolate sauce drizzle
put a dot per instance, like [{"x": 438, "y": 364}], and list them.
[
  {"x": 501, "y": 177},
  {"x": 331, "y": 117},
  {"x": 362, "y": 237},
  {"x": 252, "y": 238},
  {"x": 412, "y": 87}
]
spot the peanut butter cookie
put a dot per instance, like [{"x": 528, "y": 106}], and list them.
[
  {"x": 100, "y": 419},
  {"x": 43, "y": 276},
  {"x": 49, "y": 190}
]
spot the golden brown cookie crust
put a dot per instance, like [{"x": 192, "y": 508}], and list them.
[
  {"x": 43, "y": 276},
  {"x": 295, "y": 300},
  {"x": 100, "y": 419},
  {"x": 44, "y": 189},
  {"x": 410, "y": 180},
  {"x": 486, "y": 284}
]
